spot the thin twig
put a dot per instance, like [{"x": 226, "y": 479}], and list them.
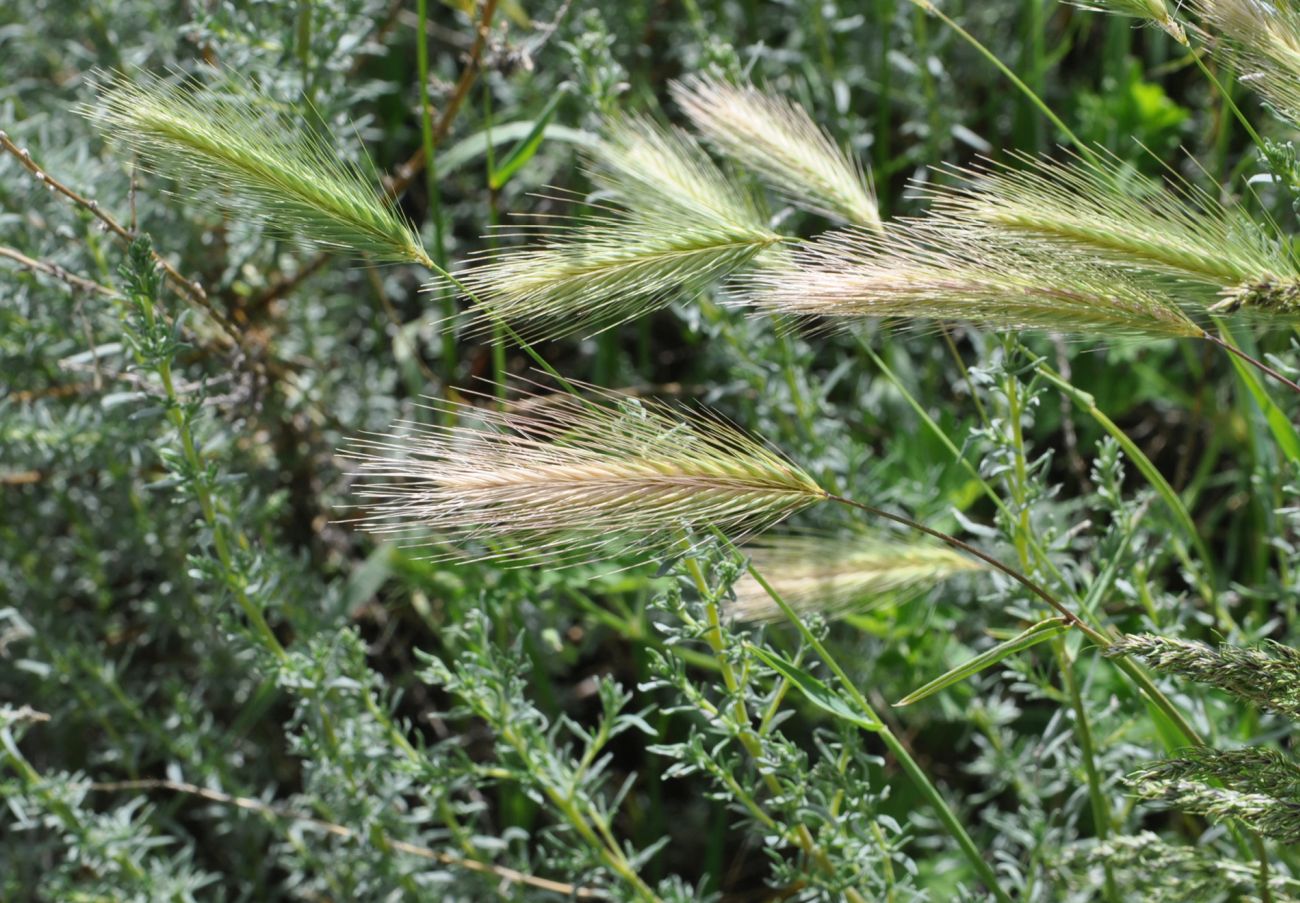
[
  {"x": 56, "y": 271},
  {"x": 189, "y": 288},
  {"x": 505, "y": 873}
]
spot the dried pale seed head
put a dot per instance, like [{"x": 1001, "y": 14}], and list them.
[
  {"x": 571, "y": 478},
  {"x": 1105, "y": 207},
  {"x": 924, "y": 271},
  {"x": 228, "y": 147},
  {"x": 1267, "y": 35},
  {"x": 1153, "y": 870},
  {"x": 1155, "y": 11},
  {"x": 680, "y": 223},
  {"x": 835, "y": 576},
  {"x": 777, "y": 139}
]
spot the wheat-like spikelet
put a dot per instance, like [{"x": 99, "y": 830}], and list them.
[
  {"x": 835, "y": 575},
  {"x": 1156, "y": 11},
  {"x": 1100, "y": 206},
  {"x": 924, "y": 271},
  {"x": 681, "y": 222},
  {"x": 1267, "y": 34},
  {"x": 777, "y": 139},
  {"x": 1153, "y": 870},
  {"x": 1261, "y": 788},
  {"x": 573, "y": 478},
  {"x": 226, "y": 147},
  {"x": 1268, "y": 677}
]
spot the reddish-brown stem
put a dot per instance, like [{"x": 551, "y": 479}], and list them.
[
  {"x": 407, "y": 172},
  {"x": 1254, "y": 362},
  {"x": 190, "y": 289},
  {"x": 952, "y": 541}
]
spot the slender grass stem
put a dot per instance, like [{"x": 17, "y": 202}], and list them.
[
  {"x": 1227, "y": 98},
  {"x": 1101, "y": 817},
  {"x": 431, "y": 181},
  {"x": 1011, "y": 76}
]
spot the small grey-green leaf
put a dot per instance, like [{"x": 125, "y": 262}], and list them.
[
  {"x": 815, "y": 691},
  {"x": 1038, "y": 633}
]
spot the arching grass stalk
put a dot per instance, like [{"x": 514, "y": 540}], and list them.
[{"x": 1010, "y": 75}]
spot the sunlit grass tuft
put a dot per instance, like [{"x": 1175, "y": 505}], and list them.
[
  {"x": 777, "y": 139},
  {"x": 680, "y": 223},
  {"x": 922, "y": 271},
  {"x": 1106, "y": 208},
  {"x": 228, "y": 147}
]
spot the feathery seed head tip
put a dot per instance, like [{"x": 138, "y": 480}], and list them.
[{"x": 561, "y": 478}]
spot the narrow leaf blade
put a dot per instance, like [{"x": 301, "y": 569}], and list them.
[
  {"x": 522, "y": 152},
  {"x": 816, "y": 692},
  {"x": 1038, "y": 633}
]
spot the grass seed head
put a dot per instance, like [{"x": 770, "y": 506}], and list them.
[
  {"x": 1267, "y": 35},
  {"x": 924, "y": 271},
  {"x": 1268, "y": 676},
  {"x": 1156, "y": 11},
  {"x": 1106, "y": 208},
  {"x": 255, "y": 163},
  {"x": 680, "y": 223},
  {"x": 1258, "y": 787},
  {"x": 777, "y": 139},
  {"x": 564, "y": 479},
  {"x": 835, "y": 576}
]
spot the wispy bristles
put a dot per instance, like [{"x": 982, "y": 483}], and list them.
[
  {"x": 1107, "y": 208},
  {"x": 779, "y": 140},
  {"x": 1155, "y": 871},
  {"x": 1261, "y": 788},
  {"x": 836, "y": 575},
  {"x": 1156, "y": 11},
  {"x": 926, "y": 271},
  {"x": 255, "y": 164},
  {"x": 681, "y": 223},
  {"x": 1268, "y": 677},
  {"x": 1267, "y": 34},
  {"x": 564, "y": 478}
]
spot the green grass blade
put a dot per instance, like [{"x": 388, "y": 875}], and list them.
[
  {"x": 1038, "y": 633},
  {"x": 816, "y": 692},
  {"x": 522, "y": 152}
]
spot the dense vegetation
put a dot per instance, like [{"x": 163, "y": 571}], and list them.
[{"x": 875, "y": 483}]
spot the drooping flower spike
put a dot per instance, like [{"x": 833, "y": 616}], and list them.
[
  {"x": 919, "y": 272},
  {"x": 678, "y": 222},
  {"x": 562, "y": 479},
  {"x": 227, "y": 146}
]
